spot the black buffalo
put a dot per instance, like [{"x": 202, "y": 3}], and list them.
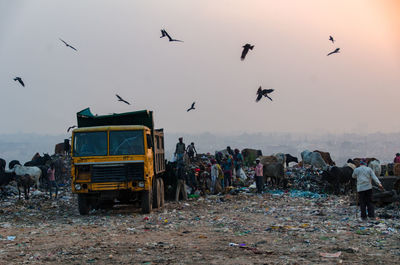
[
  {"x": 275, "y": 173},
  {"x": 12, "y": 163},
  {"x": 340, "y": 179},
  {"x": 290, "y": 158},
  {"x": 38, "y": 161}
]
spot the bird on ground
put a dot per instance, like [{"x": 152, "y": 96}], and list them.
[
  {"x": 191, "y": 107},
  {"x": 71, "y": 127},
  {"x": 19, "y": 79},
  {"x": 66, "y": 44},
  {"x": 123, "y": 100},
  {"x": 331, "y": 39},
  {"x": 246, "y": 49},
  {"x": 263, "y": 92},
  {"x": 164, "y": 33},
  {"x": 335, "y": 51}
]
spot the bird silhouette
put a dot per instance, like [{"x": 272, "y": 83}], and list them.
[
  {"x": 263, "y": 92},
  {"x": 331, "y": 39},
  {"x": 66, "y": 44},
  {"x": 71, "y": 127},
  {"x": 123, "y": 100},
  {"x": 335, "y": 51},
  {"x": 164, "y": 33},
  {"x": 246, "y": 49},
  {"x": 19, "y": 80},
  {"x": 191, "y": 107}
]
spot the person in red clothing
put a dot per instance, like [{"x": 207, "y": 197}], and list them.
[
  {"x": 397, "y": 158},
  {"x": 52, "y": 179}
]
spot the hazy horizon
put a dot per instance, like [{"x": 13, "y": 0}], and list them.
[
  {"x": 120, "y": 52},
  {"x": 23, "y": 146}
]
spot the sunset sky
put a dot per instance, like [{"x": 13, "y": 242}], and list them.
[{"x": 120, "y": 52}]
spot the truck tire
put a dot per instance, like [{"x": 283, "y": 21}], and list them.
[
  {"x": 147, "y": 201},
  {"x": 161, "y": 193},
  {"x": 83, "y": 204},
  {"x": 156, "y": 194}
]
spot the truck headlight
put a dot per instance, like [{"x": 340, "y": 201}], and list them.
[
  {"x": 141, "y": 184},
  {"x": 78, "y": 186}
]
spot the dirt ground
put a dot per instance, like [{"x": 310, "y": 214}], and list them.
[{"x": 230, "y": 229}]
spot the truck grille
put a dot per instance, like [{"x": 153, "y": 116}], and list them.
[{"x": 117, "y": 172}]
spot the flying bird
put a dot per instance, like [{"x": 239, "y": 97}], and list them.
[
  {"x": 335, "y": 51},
  {"x": 71, "y": 127},
  {"x": 164, "y": 33},
  {"x": 66, "y": 44},
  {"x": 331, "y": 39},
  {"x": 263, "y": 92},
  {"x": 123, "y": 100},
  {"x": 246, "y": 49},
  {"x": 20, "y": 81},
  {"x": 191, "y": 107}
]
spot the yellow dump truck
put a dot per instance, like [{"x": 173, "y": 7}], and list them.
[{"x": 117, "y": 158}]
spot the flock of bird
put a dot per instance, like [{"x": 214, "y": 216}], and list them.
[{"x": 260, "y": 92}]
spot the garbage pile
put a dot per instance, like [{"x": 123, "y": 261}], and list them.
[{"x": 307, "y": 179}]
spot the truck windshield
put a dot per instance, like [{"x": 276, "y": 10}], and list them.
[
  {"x": 126, "y": 143},
  {"x": 90, "y": 144}
]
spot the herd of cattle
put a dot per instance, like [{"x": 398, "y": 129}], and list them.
[
  {"x": 339, "y": 177},
  {"x": 32, "y": 173}
]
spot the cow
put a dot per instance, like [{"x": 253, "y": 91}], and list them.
[
  {"x": 12, "y": 163},
  {"x": 375, "y": 165},
  {"x": 314, "y": 159},
  {"x": 59, "y": 149},
  {"x": 38, "y": 160},
  {"x": 356, "y": 161},
  {"x": 33, "y": 172},
  {"x": 6, "y": 177},
  {"x": 289, "y": 158},
  {"x": 281, "y": 158},
  {"x": 25, "y": 182},
  {"x": 268, "y": 159},
  {"x": 326, "y": 157},
  {"x": 249, "y": 155},
  {"x": 3, "y": 163},
  {"x": 339, "y": 179},
  {"x": 274, "y": 172}
]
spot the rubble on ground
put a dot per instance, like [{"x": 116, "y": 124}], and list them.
[{"x": 278, "y": 227}]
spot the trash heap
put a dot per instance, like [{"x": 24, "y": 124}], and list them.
[{"x": 307, "y": 179}]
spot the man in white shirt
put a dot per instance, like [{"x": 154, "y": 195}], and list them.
[{"x": 364, "y": 176}]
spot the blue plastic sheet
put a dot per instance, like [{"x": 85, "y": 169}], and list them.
[{"x": 306, "y": 194}]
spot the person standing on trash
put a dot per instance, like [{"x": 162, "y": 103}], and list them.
[
  {"x": 230, "y": 151},
  {"x": 214, "y": 175},
  {"x": 52, "y": 179},
  {"x": 238, "y": 161},
  {"x": 220, "y": 176},
  {"x": 181, "y": 176},
  {"x": 190, "y": 150},
  {"x": 259, "y": 175},
  {"x": 397, "y": 158},
  {"x": 180, "y": 149},
  {"x": 227, "y": 168},
  {"x": 364, "y": 176}
]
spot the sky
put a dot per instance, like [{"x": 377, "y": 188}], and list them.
[{"x": 120, "y": 52}]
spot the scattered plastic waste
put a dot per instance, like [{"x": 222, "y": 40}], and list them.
[{"x": 331, "y": 255}]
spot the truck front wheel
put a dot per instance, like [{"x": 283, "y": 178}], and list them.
[
  {"x": 147, "y": 201},
  {"x": 156, "y": 194},
  {"x": 83, "y": 204},
  {"x": 161, "y": 193}
]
